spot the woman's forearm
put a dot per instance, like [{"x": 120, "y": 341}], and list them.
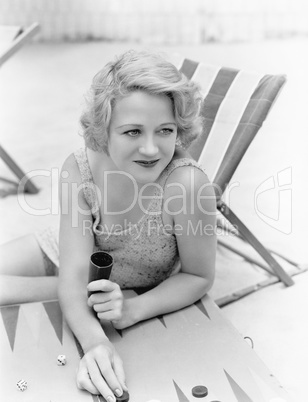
[
  {"x": 80, "y": 318},
  {"x": 175, "y": 293}
]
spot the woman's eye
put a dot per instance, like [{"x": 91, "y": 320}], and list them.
[
  {"x": 166, "y": 131},
  {"x": 132, "y": 133}
]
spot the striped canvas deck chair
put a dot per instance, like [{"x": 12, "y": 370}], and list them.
[
  {"x": 12, "y": 38},
  {"x": 236, "y": 103}
]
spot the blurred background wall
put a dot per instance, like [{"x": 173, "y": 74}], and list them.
[{"x": 160, "y": 21}]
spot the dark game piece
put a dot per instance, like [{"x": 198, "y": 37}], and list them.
[
  {"x": 199, "y": 391},
  {"x": 124, "y": 397}
]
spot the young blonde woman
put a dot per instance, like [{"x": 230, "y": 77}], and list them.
[{"x": 133, "y": 192}]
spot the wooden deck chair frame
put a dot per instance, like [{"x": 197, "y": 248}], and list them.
[
  {"x": 19, "y": 39},
  {"x": 235, "y": 105}
]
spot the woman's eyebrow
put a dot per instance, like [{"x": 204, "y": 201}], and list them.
[
  {"x": 141, "y": 125},
  {"x": 130, "y": 124},
  {"x": 164, "y": 124}
]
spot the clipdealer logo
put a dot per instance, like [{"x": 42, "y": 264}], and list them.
[{"x": 276, "y": 191}]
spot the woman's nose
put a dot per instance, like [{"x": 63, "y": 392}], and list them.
[{"x": 149, "y": 147}]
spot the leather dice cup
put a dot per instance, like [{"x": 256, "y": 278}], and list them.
[{"x": 100, "y": 267}]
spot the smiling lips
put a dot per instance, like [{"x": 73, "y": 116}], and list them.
[{"x": 147, "y": 164}]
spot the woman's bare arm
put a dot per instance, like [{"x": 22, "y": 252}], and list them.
[{"x": 76, "y": 245}]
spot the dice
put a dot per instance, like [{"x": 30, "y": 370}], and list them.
[
  {"x": 61, "y": 360},
  {"x": 22, "y": 385}
]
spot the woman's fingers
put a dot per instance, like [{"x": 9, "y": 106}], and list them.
[
  {"x": 108, "y": 302},
  {"x": 119, "y": 371},
  {"x": 84, "y": 382},
  {"x": 109, "y": 305},
  {"x": 104, "y": 296},
  {"x": 111, "y": 315},
  {"x": 101, "y": 372},
  {"x": 102, "y": 307},
  {"x": 99, "y": 297},
  {"x": 102, "y": 285},
  {"x": 109, "y": 374},
  {"x": 100, "y": 380}
]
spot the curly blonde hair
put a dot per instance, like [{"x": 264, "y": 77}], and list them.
[{"x": 140, "y": 71}]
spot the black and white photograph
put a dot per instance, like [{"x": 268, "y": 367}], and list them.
[{"x": 153, "y": 196}]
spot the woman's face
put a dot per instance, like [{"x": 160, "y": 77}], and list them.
[{"x": 142, "y": 135}]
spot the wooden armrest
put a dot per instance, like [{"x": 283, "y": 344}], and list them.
[{"x": 19, "y": 41}]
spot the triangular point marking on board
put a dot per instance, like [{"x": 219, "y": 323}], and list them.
[
  {"x": 182, "y": 397},
  {"x": 201, "y": 307},
  {"x": 239, "y": 393},
  {"x": 10, "y": 318},
  {"x": 161, "y": 319},
  {"x": 54, "y": 313},
  {"x": 120, "y": 332}
]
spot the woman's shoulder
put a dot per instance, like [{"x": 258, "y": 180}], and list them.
[
  {"x": 182, "y": 167},
  {"x": 189, "y": 184},
  {"x": 185, "y": 174},
  {"x": 70, "y": 170}
]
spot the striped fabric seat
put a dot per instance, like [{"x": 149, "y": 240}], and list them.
[{"x": 236, "y": 103}]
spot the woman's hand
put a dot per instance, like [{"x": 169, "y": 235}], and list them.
[
  {"x": 110, "y": 304},
  {"x": 101, "y": 371}
]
